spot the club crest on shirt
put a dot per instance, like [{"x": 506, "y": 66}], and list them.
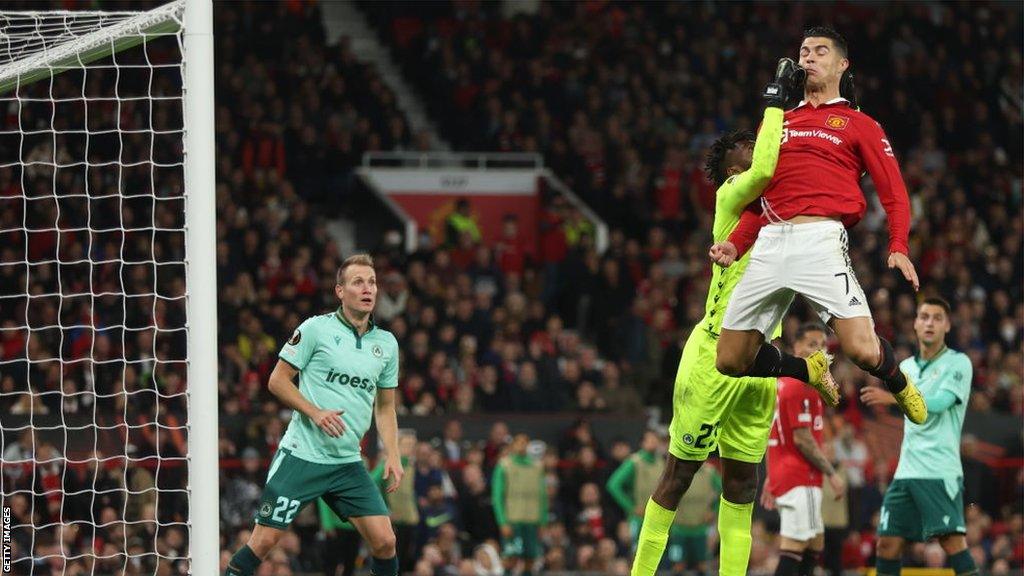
[
  {"x": 295, "y": 338},
  {"x": 377, "y": 351},
  {"x": 836, "y": 122},
  {"x": 266, "y": 509}
]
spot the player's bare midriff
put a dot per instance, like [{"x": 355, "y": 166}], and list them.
[{"x": 805, "y": 219}]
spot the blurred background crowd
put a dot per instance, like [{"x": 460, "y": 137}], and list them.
[{"x": 622, "y": 100}]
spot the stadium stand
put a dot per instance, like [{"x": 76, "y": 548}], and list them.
[{"x": 622, "y": 100}]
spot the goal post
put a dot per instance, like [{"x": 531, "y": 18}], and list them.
[
  {"x": 201, "y": 274},
  {"x": 108, "y": 310}
]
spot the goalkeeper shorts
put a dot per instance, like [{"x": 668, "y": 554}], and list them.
[{"x": 712, "y": 412}]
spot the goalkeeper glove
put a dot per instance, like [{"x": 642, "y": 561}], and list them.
[
  {"x": 788, "y": 82},
  {"x": 847, "y": 89}
]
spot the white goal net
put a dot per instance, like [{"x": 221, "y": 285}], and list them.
[{"x": 94, "y": 299}]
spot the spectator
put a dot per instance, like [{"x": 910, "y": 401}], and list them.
[
  {"x": 243, "y": 492},
  {"x": 461, "y": 224},
  {"x": 436, "y": 511},
  {"x": 391, "y": 301},
  {"x": 618, "y": 398},
  {"x": 476, "y": 507}
]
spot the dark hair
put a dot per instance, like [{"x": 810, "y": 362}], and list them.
[
  {"x": 937, "y": 301},
  {"x": 714, "y": 162},
  {"x": 830, "y": 33},
  {"x": 807, "y": 327}
]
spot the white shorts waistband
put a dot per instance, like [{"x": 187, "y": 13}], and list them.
[{"x": 818, "y": 227}]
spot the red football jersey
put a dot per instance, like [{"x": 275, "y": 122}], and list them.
[
  {"x": 798, "y": 406},
  {"x": 824, "y": 152}
]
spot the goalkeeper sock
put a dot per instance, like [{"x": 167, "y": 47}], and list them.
[
  {"x": 653, "y": 538},
  {"x": 734, "y": 531},
  {"x": 888, "y": 370},
  {"x": 886, "y": 567},
  {"x": 809, "y": 562},
  {"x": 771, "y": 362},
  {"x": 962, "y": 563},
  {"x": 384, "y": 566},
  {"x": 243, "y": 563}
]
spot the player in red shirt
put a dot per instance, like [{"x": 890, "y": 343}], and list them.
[
  {"x": 802, "y": 244},
  {"x": 796, "y": 465}
]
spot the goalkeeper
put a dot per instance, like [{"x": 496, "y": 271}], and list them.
[
  {"x": 709, "y": 409},
  {"x": 348, "y": 370}
]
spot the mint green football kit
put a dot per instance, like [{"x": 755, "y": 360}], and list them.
[
  {"x": 338, "y": 370},
  {"x": 926, "y": 497}
]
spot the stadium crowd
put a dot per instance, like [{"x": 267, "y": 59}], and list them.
[{"x": 622, "y": 101}]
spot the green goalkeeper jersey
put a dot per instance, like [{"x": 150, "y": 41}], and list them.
[
  {"x": 932, "y": 449},
  {"x": 338, "y": 370},
  {"x": 730, "y": 200}
]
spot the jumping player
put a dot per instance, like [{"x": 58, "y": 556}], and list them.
[
  {"x": 802, "y": 244},
  {"x": 709, "y": 409}
]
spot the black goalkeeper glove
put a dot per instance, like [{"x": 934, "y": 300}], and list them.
[
  {"x": 847, "y": 89},
  {"x": 788, "y": 83}
]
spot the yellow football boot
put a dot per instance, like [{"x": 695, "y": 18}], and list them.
[
  {"x": 912, "y": 403},
  {"x": 821, "y": 379}
]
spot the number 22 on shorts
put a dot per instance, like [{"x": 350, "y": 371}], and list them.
[{"x": 287, "y": 506}]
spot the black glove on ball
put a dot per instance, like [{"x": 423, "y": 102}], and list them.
[{"x": 788, "y": 83}]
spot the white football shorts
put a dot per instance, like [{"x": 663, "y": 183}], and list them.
[
  {"x": 800, "y": 513},
  {"x": 810, "y": 259}
]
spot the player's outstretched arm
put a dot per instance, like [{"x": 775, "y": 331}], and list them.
[
  {"x": 281, "y": 385},
  {"x": 386, "y": 417},
  {"x": 736, "y": 193}
]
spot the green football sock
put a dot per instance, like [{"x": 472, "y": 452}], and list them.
[
  {"x": 243, "y": 563},
  {"x": 886, "y": 567},
  {"x": 734, "y": 531},
  {"x": 384, "y": 566},
  {"x": 963, "y": 564},
  {"x": 653, "y": 538}
]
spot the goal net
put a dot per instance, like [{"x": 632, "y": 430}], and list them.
[{"x": 96, "y": 418}]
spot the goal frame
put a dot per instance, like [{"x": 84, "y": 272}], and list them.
[
  {"x": 201, "y": 283},
  {"x": 199, "y": 230}
]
